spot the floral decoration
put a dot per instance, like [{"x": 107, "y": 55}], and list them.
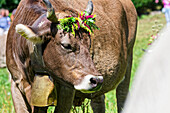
[{"x": 72, "y": 24}]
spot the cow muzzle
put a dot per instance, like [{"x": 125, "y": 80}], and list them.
[{"x": 90, "y": 84}]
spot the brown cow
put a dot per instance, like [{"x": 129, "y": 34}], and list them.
[{"x": 51, "y": 51}]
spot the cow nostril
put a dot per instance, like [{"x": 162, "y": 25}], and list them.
[{"x": 93, "y": 81}]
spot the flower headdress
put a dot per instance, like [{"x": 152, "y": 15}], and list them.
[{"x": 84, "y": 20}]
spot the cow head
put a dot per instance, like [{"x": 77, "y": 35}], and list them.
[{"x": 65, "y": 54}]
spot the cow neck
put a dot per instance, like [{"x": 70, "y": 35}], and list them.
[{"x": 37, "y": 61}]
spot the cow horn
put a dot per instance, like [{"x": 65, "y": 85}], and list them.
[
  {"x": 50, "y": 12},
  {"x": 89, "y": 8}
]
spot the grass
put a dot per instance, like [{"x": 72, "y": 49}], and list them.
[
  {"x": 6, "y": 105},
  {"x": 147, "y": 26}
]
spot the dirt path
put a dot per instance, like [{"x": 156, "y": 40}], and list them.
[{"x": 2, "y": 51}]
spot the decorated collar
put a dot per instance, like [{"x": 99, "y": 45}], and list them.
[{"x": 84, "y": 21}]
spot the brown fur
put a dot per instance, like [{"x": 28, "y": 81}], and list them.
[{"x": 111, "y": 46}]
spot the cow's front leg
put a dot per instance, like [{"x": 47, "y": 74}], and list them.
[
  {"x": 65, "y": 97},
  {"x": 20, "y": 102},
  {"x": 98, "y": 104},
  {"x": 123, "y": 87},
  {"x": 40, "y": 109}
]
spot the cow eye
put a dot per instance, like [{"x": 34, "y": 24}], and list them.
[{"x": 66, "y": 46}]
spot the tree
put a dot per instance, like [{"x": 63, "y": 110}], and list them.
[
  {"x": 144, "y": 6},
  {"x": 141, "y": 3},
  {"x": 9, "y": 4}
]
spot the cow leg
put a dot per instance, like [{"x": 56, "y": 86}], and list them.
[
  {"x": 40, "y": 109},
  {"x": 123, "y": 87},
  {"x": 98, "y": 104},
  {"x": 65, "y": 97},
  {"x": 19, "y": 100}
]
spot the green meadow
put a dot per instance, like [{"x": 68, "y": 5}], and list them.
[{"x": 147, "y": 26}]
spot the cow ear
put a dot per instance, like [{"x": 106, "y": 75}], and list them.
[{"x": 28, "y": 33}]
